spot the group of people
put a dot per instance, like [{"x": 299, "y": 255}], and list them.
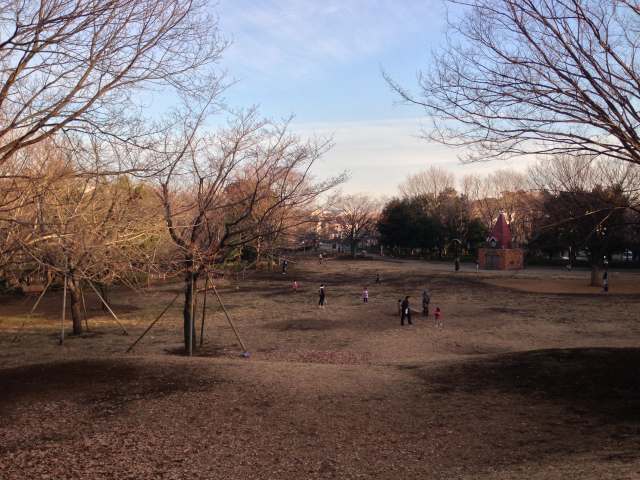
[
  {"x": 405, "y": 310},
  {"x": 404, "y": 307}
]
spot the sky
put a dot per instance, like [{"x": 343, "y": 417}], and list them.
[{"x": 322, "y": 62}]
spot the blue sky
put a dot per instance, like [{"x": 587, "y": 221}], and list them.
[{"x": 322, "y": 60}]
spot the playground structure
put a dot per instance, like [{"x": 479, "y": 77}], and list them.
[{"x": 500, "y": 254}]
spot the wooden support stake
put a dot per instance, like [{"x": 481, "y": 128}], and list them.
[
  {"x": 244, "y": 349},
  {"x": 124, "y": 331},
  {"x": 204, "y": 309},
  {"x": 153, "y": 323},
  {"x": 64, "y": 310},
  {"x": 33, "y": 309}
]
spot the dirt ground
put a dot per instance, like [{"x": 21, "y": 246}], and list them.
[
  {"x": 525, "y": 381},
  {"x": 549, "y": 281}
]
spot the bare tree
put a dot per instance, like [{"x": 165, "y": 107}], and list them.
[
  {"x": 88, "y": 229},
  {"x": 82, "y": 66},
  {"x": 226, "y": 190},
  {"x": 357, "y": 216},
  {"x": 564, "y": 174},
  {"x": 501, "y": 191},
  {"x": 582, "y": 173},
  {"x": 537, "y": 77},
  {"x": 428, "y": 184},
  {"x": 75, "y": 78}
]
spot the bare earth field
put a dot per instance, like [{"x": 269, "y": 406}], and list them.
[{"x": 534, "y": 376}]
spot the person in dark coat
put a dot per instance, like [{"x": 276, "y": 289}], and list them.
[
  {"x": 406, "y": 311},
  {"x": 426, "y": 298},
  {"x": 322, "y": 296}
]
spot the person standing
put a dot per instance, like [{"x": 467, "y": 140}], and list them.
[
  {"x": 365, "y": 295},
  {"x": 295, "y": 286},
  {"x": 456, "y": 264},
  {"x": 438, "y": 317},
  {"x": 322, "y": 295},
  {"x": 285, "y": 265},
  {"x": 320, "y": 259},
  {"x": 406, "y": 311},
  {"x": 605, "y": 281},
  {"x": 426, "y": 298}
]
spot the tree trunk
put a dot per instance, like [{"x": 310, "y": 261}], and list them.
[
  {"x": 190, "y": 287},
  {"x": 75, "y": 303},
  {"x": 596, "y": 277}
]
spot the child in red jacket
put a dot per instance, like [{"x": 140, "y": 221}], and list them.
[{"x": 438, "y": 316}]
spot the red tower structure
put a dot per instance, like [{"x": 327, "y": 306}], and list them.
[
  {"x": 500, "y": 233},
  {"x": 499, "y": 253}
]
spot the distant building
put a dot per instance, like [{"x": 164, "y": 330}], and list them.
[{"x": 499, "y": 254}]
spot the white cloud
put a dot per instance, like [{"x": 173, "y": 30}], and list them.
[{"x": 379, "y": 154}]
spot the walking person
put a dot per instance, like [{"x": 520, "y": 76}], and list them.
[
  {"x": 322, "y": 295},
  {"x": 456, "y": 264},
  {"x": 294, "y": 285},
  {"x": 426, "y": 298},
  {"x": 605, "y": 281},
  {"x": 320, "y": 259},
  {"x": 285, "y": 265},
  {"x": 406, "y": 311},
  {"x": 365, "y": 295}
]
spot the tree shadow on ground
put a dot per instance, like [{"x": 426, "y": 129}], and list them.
[
  {"x": 599, "y": 382},
  {"x": 97, "y": 382},
  {"x": 51, "y": 306}
]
